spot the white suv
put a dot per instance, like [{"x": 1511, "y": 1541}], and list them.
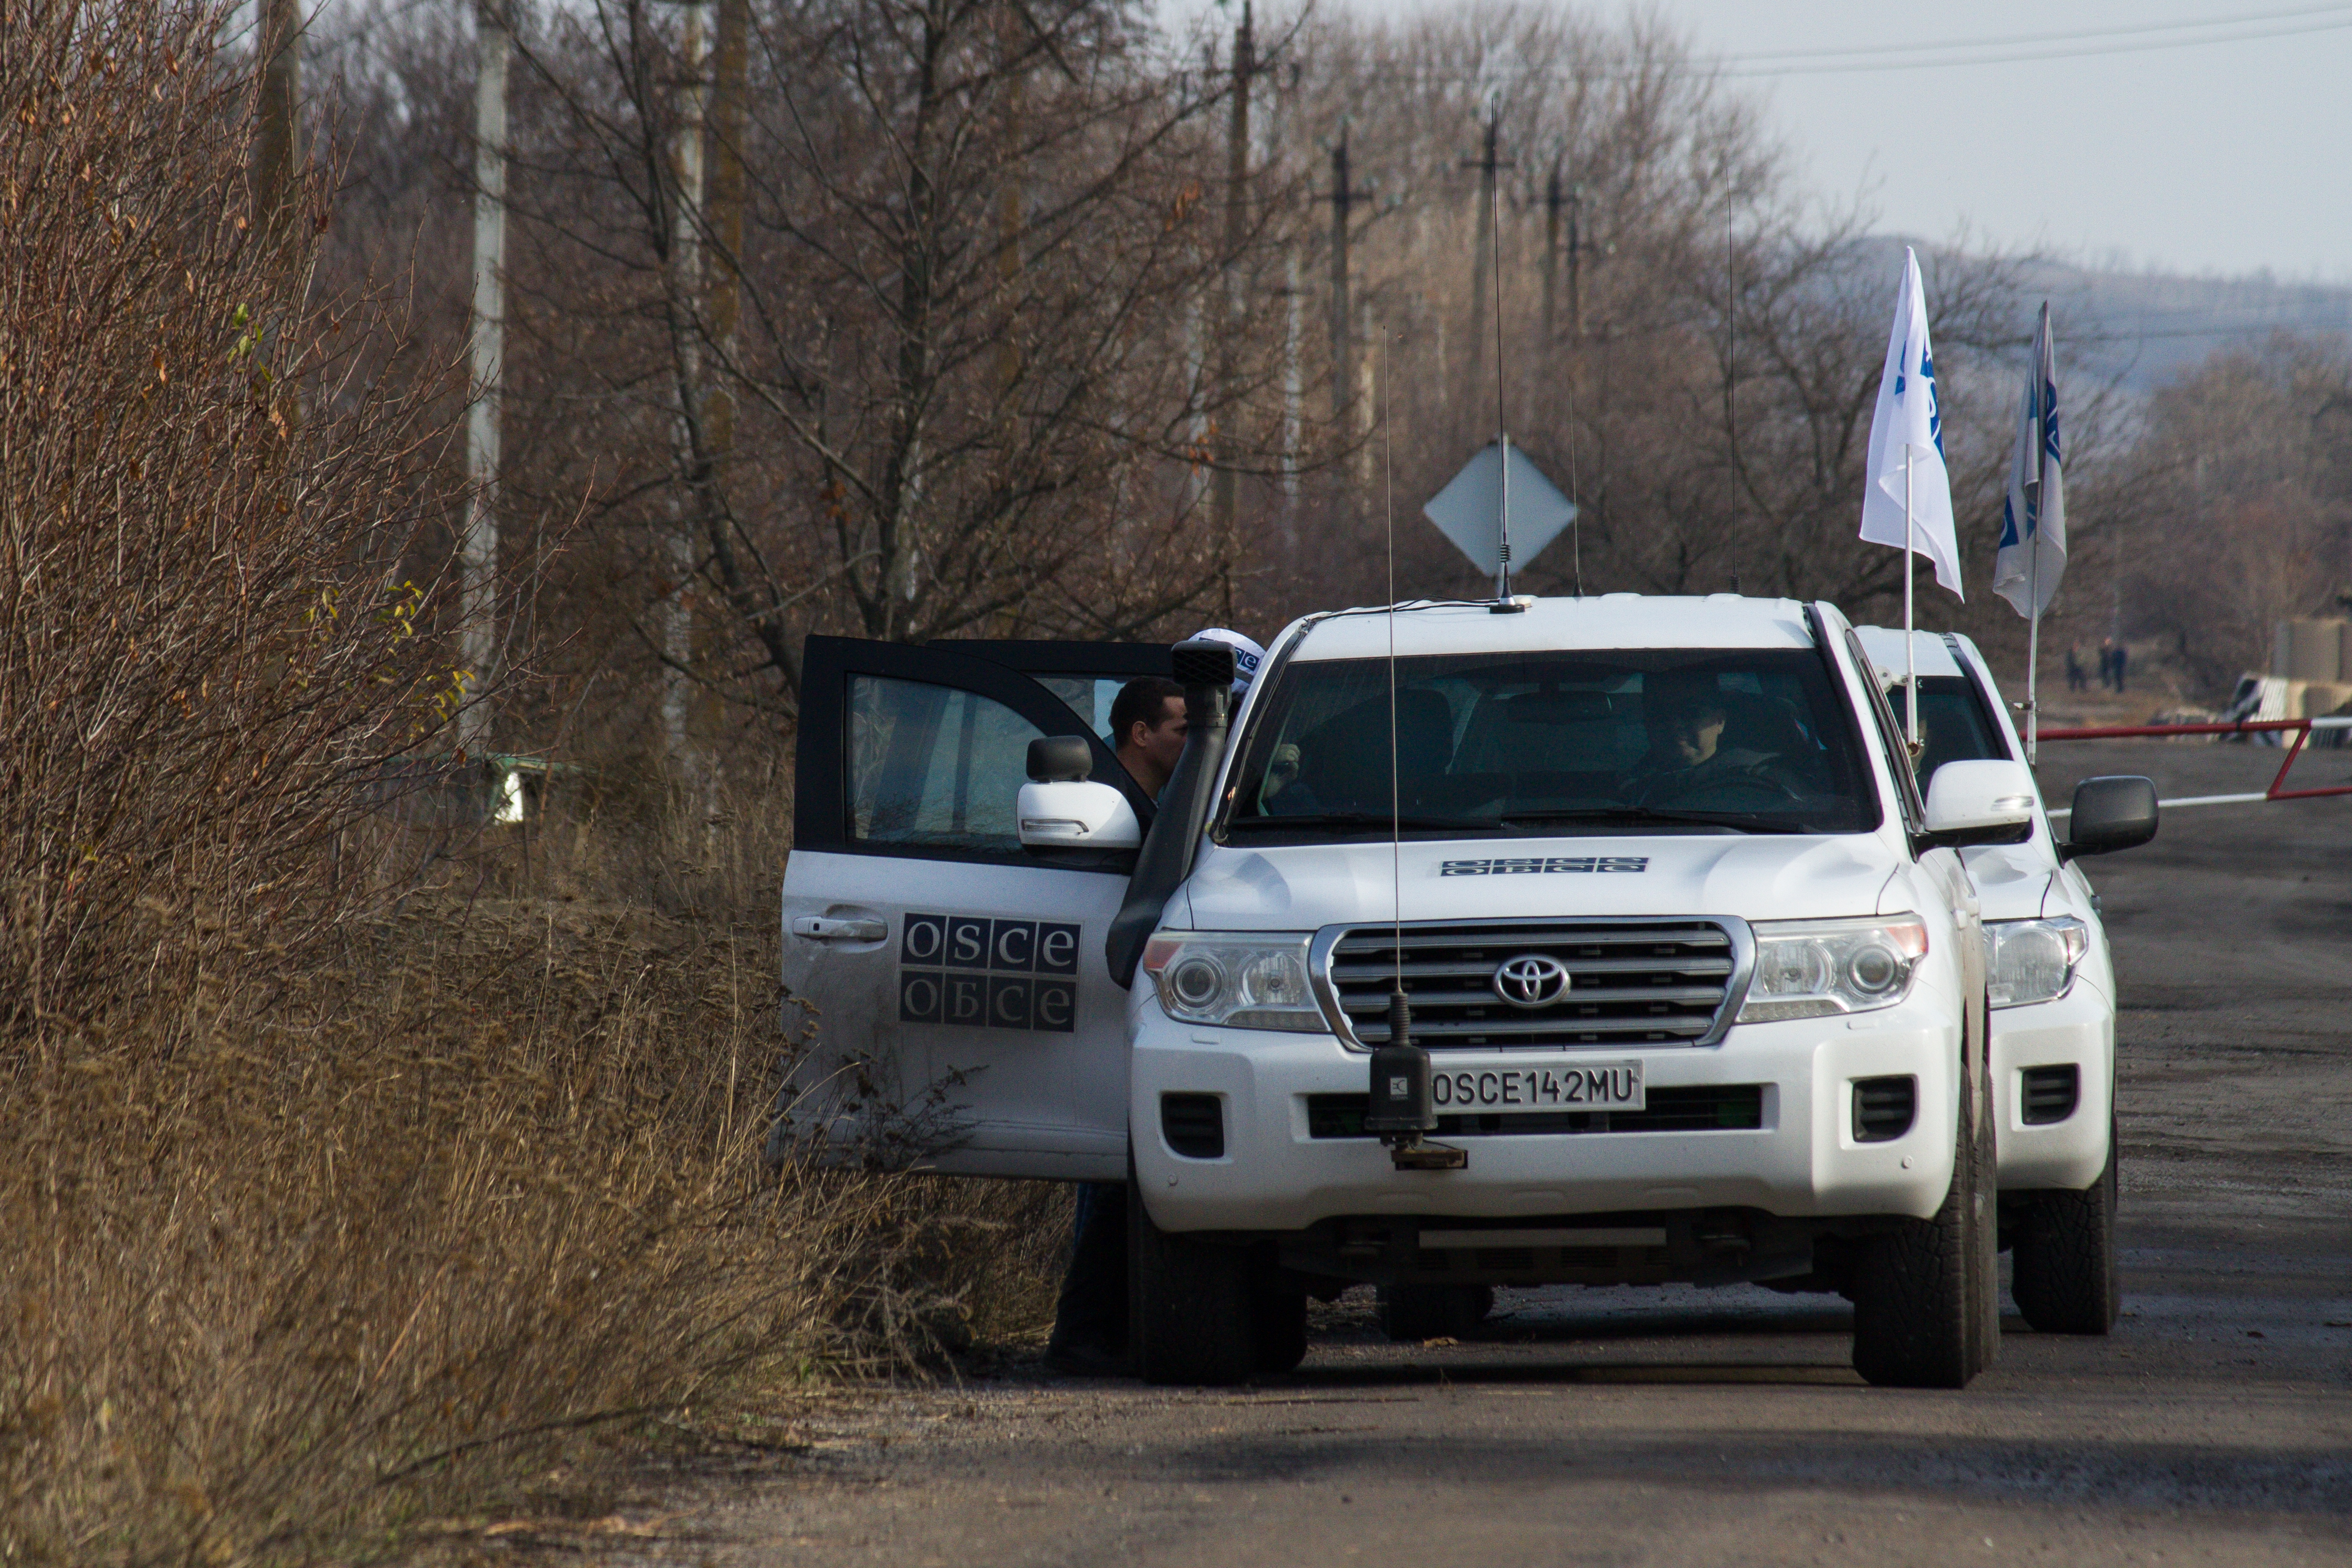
[
  {"x": 1698, "y": 976},
  {"x": 2052, "y": 990}
]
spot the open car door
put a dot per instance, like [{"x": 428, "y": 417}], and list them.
[{"x": 965, "y": 1018}]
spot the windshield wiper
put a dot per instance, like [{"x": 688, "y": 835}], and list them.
[
  {"x": 1354, "y": 822},
  {"x": 1743, "y": 821}
]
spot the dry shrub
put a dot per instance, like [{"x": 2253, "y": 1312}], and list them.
[
  {"x": 489, "y": 1182},
  {"x": 203, "y": 641},
  {"x": 337, "y": 1199}
]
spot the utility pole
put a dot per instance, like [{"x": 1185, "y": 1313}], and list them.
[
  {"x": 686, "y": 216},
  {"x": 1576, "y": 259},
  {"x": 478, "y": 547},
  {"x": 1010, "y": 201},
  {"x": 1343, "y": 198},
  {"x": 1551, "y": 253},
  {"x": 1488, "y": 163},
  {"x": 726, "y": 162},
  {"x": 277, "y": 138},
  {"x": 1225, "y": 498}
]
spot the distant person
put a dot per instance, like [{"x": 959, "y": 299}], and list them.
[
  {"x": 2107, "y": 663},
  {"x": 2078, "y": 679},
  {"x": 2122, "y": 657}
]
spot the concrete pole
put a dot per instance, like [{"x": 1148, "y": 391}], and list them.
[
  {"x": 1480, "y": 255},
  {"x": 1551, "y": 254},
  {"x": 1343, "y": 195},
  {"x": 1225, "y": 492},
  {"x": 1290, "y": 384},
  {"x": 687, "y": 161},
  {"x": 478, "y": 547},
  {"x": 278, "y": 137}
]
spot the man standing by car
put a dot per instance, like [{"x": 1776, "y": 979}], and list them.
[
  {"x": 1148, "y": 728},
  {"x": 1148, "y": 725}
]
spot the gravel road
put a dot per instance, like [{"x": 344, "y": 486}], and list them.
[{"x": 1679, "y": 1427}]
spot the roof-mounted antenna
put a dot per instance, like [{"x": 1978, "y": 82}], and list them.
[{"x": 1401, "y": 1109}]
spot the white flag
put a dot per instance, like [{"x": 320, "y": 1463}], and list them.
[
  {"x": 2034, "y": 517},
  {"x": 1908, "y": 424}
]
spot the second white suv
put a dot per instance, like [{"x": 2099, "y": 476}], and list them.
[{"x": 2052, "y": 986}]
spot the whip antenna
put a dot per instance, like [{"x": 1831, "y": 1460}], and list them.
[{"x": 1399, "y": 1108}]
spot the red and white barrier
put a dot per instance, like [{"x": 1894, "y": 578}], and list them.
[{"x": 2277, "y": 791}]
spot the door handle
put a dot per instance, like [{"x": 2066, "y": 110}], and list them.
[{"x": 820, "y": 929}]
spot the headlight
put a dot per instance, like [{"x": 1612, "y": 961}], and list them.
[
  {"x": 1240, "y": 979},
  {"x": 2032, "y": 960},
  {"x": 1815, "y": 968}
]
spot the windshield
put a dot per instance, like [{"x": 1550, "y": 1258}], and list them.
[{"x": 1552, "y": 743}]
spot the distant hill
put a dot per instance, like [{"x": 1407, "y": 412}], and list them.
[
  {"x": 2148, "y": 326},
  {"x": 2145, "y": 328}
]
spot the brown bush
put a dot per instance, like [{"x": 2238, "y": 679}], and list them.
[
  {"x": 355, "y": 1173},
  {"x": 204, "y": 642}
]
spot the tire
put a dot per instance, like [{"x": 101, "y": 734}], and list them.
[
  {"x": 2063, "y": 1263},
  {"x": 1927, "y": 1292},
  {"x": 1192, "y": 1306},
  {"x": 1410, "y": 1314},
  {"x": 1277, "y": 1323},
  {"x": 1984, "y": 1209}
]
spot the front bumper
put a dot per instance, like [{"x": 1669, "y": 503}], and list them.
[
  {"x": 2077, "y": 1030},
  {"x": 1803, "y": 1161}
]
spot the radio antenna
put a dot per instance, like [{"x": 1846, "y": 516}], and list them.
[
  {"x": 1397, "y": 1004},
  {"x": 1399, "y": 1110},
  {"x": 1502, "y": 422}
]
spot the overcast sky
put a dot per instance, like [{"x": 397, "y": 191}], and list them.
[{"x": 2229, "y": 153}]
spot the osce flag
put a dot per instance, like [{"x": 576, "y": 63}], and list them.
[
  {"x": 2033, "y": 518},
  {"x": 1907, "y": 423}
]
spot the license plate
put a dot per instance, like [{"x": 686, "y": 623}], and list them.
[{"x": 1522, "y": 1085}]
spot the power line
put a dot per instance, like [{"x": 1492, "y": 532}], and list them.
[
  {"x": 2011, "y": 40},
  {"x": 2141, "y": 48},
  {"x": 1737, "y": 67}
]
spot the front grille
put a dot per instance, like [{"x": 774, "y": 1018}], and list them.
[
  {"x": 2050, "y": 1094},
  {"x": 1193, "y": 1124},
  {"x": 1629, "y": 982},
  {"x": 1883, "y": 1108},
  {"x": 1700, "y": 1108}
]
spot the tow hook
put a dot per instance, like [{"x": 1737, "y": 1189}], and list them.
[{"x": 1401, "y": 1109}]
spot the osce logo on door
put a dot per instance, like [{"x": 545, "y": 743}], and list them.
[{"x": 978, "y": 972}]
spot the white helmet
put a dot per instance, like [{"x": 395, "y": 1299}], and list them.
[{"x": 1247, "y": 654}]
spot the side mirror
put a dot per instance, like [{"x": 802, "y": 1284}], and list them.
[
  {"x": 2117, "y": 812},
  {"x": 1979, "y": 802},
  {"x": 1073, "y": 814}
]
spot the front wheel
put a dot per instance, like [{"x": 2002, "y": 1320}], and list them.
[
  {"x": 2063, "y": 1267},
  {"x": 1195, "y": 1311},
  {"x": 1926, "y": 1294}
]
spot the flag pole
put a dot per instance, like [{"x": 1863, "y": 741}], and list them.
[
  {"x": 2033, "y": 546},
  {"x": 1910, "y": 654}
]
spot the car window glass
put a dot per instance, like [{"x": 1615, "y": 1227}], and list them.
[
  {"x": 1088, "y": 696},
  {"x": 1955, "y": 726},
  {"x": 1749, "y": 734},
  {"x": 933, "y": 765}
]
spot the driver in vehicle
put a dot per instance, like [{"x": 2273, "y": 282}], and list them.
[{"x": 1687, "y": 714}]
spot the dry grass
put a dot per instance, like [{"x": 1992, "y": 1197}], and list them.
[{"x": 385, "y": 1250}]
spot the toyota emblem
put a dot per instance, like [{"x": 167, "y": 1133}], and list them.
[{"x": 1532, "y": 980}]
